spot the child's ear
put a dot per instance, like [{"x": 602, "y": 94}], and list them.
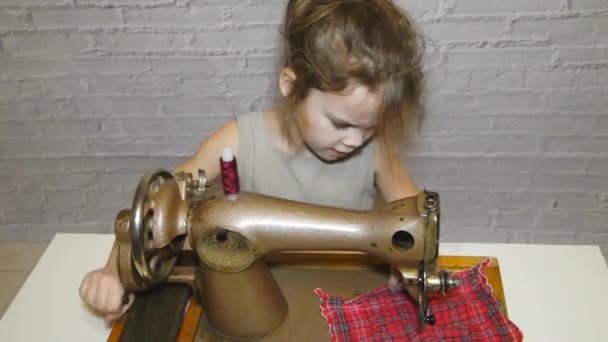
[{"x": 286, "y": 81}]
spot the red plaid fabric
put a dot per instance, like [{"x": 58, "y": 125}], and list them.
[{"x": 467, "y": 313}]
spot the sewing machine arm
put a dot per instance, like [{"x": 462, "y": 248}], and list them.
[{"x": 231, "y": 236}]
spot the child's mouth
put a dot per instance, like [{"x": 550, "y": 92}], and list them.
[{"x": 338, "y": 153}]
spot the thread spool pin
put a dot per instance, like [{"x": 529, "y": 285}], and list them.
[{"x": 230, "y": 175}]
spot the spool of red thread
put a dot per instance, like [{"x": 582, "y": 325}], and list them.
[{"x": 230, "y": 174}]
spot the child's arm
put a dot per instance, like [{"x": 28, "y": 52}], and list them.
[
  {"x": 208, "y": 154},
  {"x": 101, "y": 288},
  {"x": 392, "y": 178}
]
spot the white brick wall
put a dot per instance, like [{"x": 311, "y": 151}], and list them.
[{"x": 94, "y": 92}]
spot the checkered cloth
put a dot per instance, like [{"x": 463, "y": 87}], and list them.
[{"x": 467, "y": 313}]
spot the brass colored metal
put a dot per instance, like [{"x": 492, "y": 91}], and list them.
[
  {"x": 304, "y": 321},
  {"x": 271, "y": 224},
  {"x": 185, "y": 275},
  {"x": 158, "y": 218},
  {"x": 242, "y": 304},
  {"x": 192, "y": 187},
  {"x": 129, "y": 277},
  {"x": 233, "y": 238},
  {"x": 225, "y": 250},
  {"x": 183, "y": 180}
]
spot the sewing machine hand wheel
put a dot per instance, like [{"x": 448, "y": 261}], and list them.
[{"x": 147, "y": 262}]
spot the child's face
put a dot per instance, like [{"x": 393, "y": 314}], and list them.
[{"x": 339, "y": 123}]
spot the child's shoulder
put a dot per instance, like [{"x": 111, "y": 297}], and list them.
[
  {"x": 228, "y": 134},
  {"x": 206, "y": 156},
  {"x": 250, "y": 116}
]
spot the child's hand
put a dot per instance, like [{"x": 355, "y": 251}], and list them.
[
  {"x": 395, "y": 280},
  {"x": 102, "y": 290}
]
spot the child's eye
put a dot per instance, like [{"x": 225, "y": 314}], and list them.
[{"x": 339, "y": 126}]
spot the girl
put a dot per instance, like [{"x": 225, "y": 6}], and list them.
[{"x": 351, "y": 80}]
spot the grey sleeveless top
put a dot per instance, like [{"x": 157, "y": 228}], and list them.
[{"x": 265, "y": 169}]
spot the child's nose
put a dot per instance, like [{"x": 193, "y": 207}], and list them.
[{"x": 354, "y": 138}]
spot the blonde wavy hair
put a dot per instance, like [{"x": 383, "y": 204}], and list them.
[{"x": 331, "y": 44}]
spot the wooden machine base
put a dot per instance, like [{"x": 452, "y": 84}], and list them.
[{"x": 340, "y": 274}]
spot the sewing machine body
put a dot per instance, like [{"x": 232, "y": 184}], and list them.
[{"x": 239, "y": 247}]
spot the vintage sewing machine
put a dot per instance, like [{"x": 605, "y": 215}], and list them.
[{"x": 251, "y": 262}]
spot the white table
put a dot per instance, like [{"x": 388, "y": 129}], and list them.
[{"x": 553, "y": 293}]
